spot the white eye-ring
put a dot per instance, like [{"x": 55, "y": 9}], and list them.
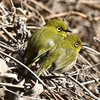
[
  {"x": 58, "y": 29},
  {"x": 76, "y": 44}
]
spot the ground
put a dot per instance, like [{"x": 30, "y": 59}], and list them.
[{"x": 19, "y": 19}]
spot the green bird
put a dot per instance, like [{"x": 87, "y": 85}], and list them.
[
  {"x": 63, "y": 56},
  {"x": 45, "y": 38}
]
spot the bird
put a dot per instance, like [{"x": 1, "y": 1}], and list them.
[
  {"x": 45, "y": 39},
  {"x": 63, "y": 56}
]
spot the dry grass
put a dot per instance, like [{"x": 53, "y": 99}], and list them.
[{"x": 18, "y": 20}]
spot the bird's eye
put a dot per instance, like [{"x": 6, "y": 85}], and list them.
[
  {"x": 58, "y": 29},
  {"x": 76, "y": 44}
]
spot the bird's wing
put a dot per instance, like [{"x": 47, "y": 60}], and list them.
[
  {"x": 37, "y": 46},
  {"x": 41, "y": 55}
]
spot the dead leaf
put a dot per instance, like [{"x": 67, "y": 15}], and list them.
[
  {"x": 36, "y": 90},
  {"x": 3, "y": 66},
  {"x": 10, "y": 75}
]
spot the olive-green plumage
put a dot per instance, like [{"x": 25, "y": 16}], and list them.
[
  {"x": 63, "y": 56},
  {"x": 45, "y": 38}
]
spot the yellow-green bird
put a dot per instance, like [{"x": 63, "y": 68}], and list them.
[
  {"x": 63, "y": 56},
  {"x": 45, "y": 38}
]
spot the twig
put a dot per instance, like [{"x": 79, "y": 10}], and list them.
[
  {"x": 6, "y": 25},
  {"x": 7, "y": 47},
  {"x": 90, "y": 18},
  {"x": 83, "y": 59},
  {"x": 57, "y": 15},
  {"x": 33, "y": 27},
  {"x": 92, "y": 5},
  {"x": 10, "y": 91},
  {"x": 71, "y": 91},
  {"x": 29, "y": 71},
  {"x": 34, "y": 11},
  {"x": 12, "y": 4},
  {"x": 12, "y": 85},
  {"x": 91, "y": 81},
  {"x": 8, "y": 34},
  {"x": 42, "y": 6},
  {"x": 25, "y": 68},
  {"x": 68, "y": 16},
  {"x": 97, "y": 18},
  {"x": 92, "y": 66},
  {"x": 91, "y": 50},
  {"x": 67, "y": 13},
  {"x": 3, "y": 9},
  {"x": 96, "y": 39},
  {"x": 90, "y": 93}
]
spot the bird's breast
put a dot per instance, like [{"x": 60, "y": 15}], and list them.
[{"x": 67, "y": 68}]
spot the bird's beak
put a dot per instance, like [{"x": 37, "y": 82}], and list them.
[{"x": 68, "y": 31}]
